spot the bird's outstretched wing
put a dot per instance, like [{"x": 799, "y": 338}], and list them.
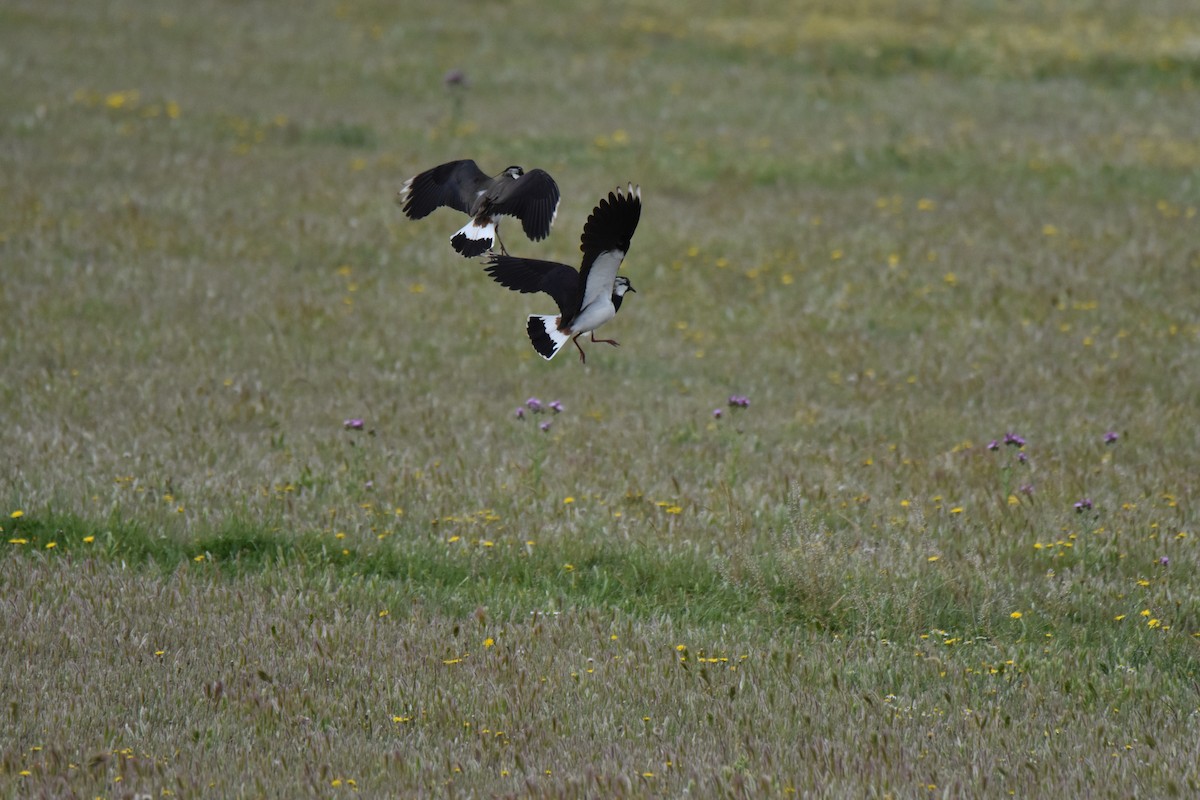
[
  {"x": 528, "y": 275},
  {"x": 453, "y": 184},
  {"x": 605, "y": 241},
  {"x": 532, "y": 198}
]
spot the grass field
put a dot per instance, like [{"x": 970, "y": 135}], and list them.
[{"x": 948, "y": 251}]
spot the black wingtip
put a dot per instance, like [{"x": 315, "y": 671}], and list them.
[{"x": 613, "y": 221}]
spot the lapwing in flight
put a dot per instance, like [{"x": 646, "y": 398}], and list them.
[
  {"x": 531, "y": 197},
  {"x": 586, "y": 298}
]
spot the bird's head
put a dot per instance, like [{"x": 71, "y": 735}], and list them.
[
  {"x": 622, "y": 285},
  {"x": 514, "y": 172}
]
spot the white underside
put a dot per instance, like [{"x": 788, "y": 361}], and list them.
[{"x": 593, "y": 316}]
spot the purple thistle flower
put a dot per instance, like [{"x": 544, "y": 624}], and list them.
[
  {"x": 1014, "y": 439},
  {"x": 1022, "y": 457},
  {"x": 993, "y": 445},
  {"x": 519, "y": 413},
  {"x": 739, "y": 401},
  {"x": 1111, "y": 437},
  {"x": 534, "y": 405},
  {"x": 1083, "y": 505},
  {"x": 1026, "y": 489},
  {"x": 455, "y": 77},
  {"x": 556, "y": 406},
  {"x": 545, "y": 426},
  {"x": 353, "y": 424},
  {"x": 717, "y": 413},
  {"x": 1164, "y": 561}
]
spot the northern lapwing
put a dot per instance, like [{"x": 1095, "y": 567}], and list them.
[
  {"x": 531, "y": 197},
  {"x": 586, "y": 298}
]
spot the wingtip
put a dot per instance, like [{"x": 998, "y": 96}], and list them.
[
  {"x": 404, "y": 196},
  {"x": 631, "y": 190}
]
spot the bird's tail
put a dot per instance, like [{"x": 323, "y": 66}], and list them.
[
  {"x": 543, "y": 331},
  {"x": 475, "y": 238}
]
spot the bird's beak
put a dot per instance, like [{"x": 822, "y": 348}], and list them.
[{"x": 632, "y": 289}]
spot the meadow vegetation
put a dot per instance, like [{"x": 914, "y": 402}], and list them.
[{"x": 890, "y": 490}]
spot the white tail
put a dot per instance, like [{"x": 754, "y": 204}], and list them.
[
  {"x": 475, "y": 238},
  {"x": 543, "y": 331}
]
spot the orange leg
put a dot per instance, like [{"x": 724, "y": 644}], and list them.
[{"x": 613, "y": 342}]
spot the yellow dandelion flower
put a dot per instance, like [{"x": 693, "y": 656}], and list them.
[
  {"x": 1154, "y": 623},
  {"x": 681, "y": 647},
  {"x": 956, "y": 510},
  {"x": 933, "y": 558},
  {"x": 51, "y": 545},
  {"x": 198, "y": 558},
  {"x": 1016, "y": 615},
  {"x": 17, "y": 514},
  {"x": 384, "y": 613},
  {"x": 569, "y": 567},
  {"x": 925, "y": 204},
  {"x": 1118, "y": 617},
  {"x": 568, "y": 500},
  {"x": 1145, "y": 612},
  {"x": 489, "y": 642},
  {"x": 89, "y": 539}
]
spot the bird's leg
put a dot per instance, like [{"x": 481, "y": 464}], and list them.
[
  {"x": 497, "y": 236},
  {"x": 613, "y": 342},
  {"x": 582, "y": 357}
]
